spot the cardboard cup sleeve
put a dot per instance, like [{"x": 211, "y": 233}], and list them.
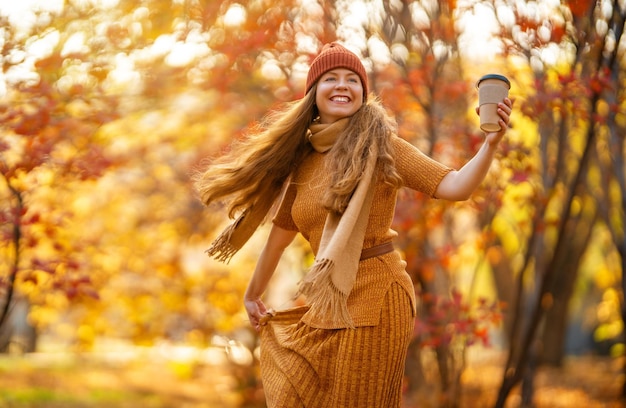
[{"x": 492, "y": 89}]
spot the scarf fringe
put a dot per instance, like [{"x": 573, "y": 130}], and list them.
[
  {"x": 221, "y": 248},
  {"x": 326, "y": 300}
]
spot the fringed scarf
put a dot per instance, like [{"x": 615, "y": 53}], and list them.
[
  {"x": 329, "y": 281},
  {"x": 233, "y": 238}
]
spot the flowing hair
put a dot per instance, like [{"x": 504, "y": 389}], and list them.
[
  {"x": 370, "y": 127},
  {"x": 257, "y": 166}
]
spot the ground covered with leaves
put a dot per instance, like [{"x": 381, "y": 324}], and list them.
[{"x": 83, "y": 381}]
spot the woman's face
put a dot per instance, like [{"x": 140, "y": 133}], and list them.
[{"x": 339, "y": 95}]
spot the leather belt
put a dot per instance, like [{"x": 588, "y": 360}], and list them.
[{"x": 377, "y": 250}]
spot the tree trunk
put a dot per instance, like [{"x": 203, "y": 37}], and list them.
[
  {"x": 17, "y": 335},
  {"x": 566, "y": 273},
  {"x": 504, "y": 280},
  {"x": 528, "y": 381},
  {"x": 413, "y": 367},
  {"x": 622, "y": 252}
]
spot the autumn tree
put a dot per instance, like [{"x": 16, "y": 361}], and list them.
[
  {"x": 577, "y": 75},
  {"x": 49, "y": 118},
  {"x": 101, "y": 231},
  {"x": 91, "y": 75}
]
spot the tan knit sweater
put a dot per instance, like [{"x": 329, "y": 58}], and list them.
[{"x": 300, "y": 210}]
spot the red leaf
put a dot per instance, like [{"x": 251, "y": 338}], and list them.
[{"x": 482, "y": 334}]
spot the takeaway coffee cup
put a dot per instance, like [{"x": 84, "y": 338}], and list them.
[{"x": 492, "y": 89}]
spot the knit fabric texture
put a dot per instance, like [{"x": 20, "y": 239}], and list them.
[
  {"x": 306, "y": 362},
  {"x": 300, "y": 210},
  {"x": 334, "y": 56},
  {"x": 306, "y": 367}
]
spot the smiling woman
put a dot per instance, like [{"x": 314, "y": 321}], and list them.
[
  {"x": 332, "y": 165},
  {"x": 341, "y": 83}
]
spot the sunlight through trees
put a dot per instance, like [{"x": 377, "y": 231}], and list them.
[{"x": 107, "y": 107}]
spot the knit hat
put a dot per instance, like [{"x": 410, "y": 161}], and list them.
[{"x": 334, "y": 55}]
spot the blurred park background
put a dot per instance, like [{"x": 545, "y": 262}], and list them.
[{"x": 107, "y": 298}]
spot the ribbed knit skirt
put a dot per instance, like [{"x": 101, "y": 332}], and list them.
[{"x": 349, "y": 368}]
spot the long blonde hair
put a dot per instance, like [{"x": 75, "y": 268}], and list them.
[
  {"x": 257, "y": 166},
  {"x": 260, "y": 163}
]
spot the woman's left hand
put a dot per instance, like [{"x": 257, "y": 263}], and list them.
[{"x": 504, "y": 110}]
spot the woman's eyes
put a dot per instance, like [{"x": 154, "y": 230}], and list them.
[{"x": 354, "y": 80}]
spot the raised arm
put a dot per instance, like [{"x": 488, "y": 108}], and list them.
[
  {"x": 277, "y": 241},
  {"x": 458, "y": 185}
]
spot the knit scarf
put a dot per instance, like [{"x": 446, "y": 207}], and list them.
[
  {"x": 330, "y": 279},
  {"x": 329, "y": 282}
]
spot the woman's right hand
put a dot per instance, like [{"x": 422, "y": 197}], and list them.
[
  {"x": 256, "y": 310},
  {"x": 268, "y": 259}
]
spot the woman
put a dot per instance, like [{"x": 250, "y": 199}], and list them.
[{"x": 334, "y": 163}]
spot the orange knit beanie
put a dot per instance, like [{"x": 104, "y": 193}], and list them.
[{"x": 333, "y": 56}]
